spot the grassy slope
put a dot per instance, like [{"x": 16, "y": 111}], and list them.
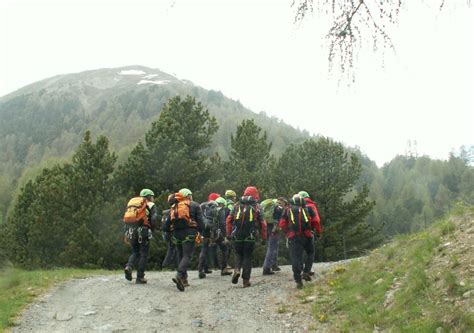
[
  {"x": 20, "y": 287},
  {"x": 418, "y": 283}
]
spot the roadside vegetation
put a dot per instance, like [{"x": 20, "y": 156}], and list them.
[
  {"x": 19, "y": 287},
  {"x": 418, "y": 283}
]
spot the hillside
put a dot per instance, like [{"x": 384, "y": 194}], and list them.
[
  {"x": 423, "y": 282},
  {"x": 44, "y": 122},
  {"x": 48, "y": 118}
]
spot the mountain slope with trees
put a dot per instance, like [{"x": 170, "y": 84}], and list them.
[
  {"x": 43, "y": 123},
  {"x": 78, "y": 194},
  {"x": 70, "y": 214}
]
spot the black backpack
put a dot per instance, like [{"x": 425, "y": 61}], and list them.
[
  {"x": 210, "y": 212},
  {"x": 245, "y": 215},
  {"x": 298, "y": 218},
  {"x": 165, "y": 221}
]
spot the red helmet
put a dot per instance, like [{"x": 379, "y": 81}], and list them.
[
  {"x": 213, "y": 196},
  {"x": 253, "y": 192}
]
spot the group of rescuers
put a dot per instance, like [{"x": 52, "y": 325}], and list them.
[{"x": 218, "y": 223}]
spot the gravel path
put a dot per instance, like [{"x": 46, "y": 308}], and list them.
[{"x": 112, "y": 304}]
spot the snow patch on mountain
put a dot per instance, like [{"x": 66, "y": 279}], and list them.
[
  {"x": 154, "y": 82},
  {"x": 132, "y": 72},
  {"x": 150, "y": 76}
]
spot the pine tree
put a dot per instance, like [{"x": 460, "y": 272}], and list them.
[
  {"x": 250, "y": 160},
  {"x": 176, "y": 151},
  {"x": 51, "y": 208},
  {"x": 329, "y": 174}
]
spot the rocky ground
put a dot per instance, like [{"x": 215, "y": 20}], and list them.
[{"x": 110, "y": 303}]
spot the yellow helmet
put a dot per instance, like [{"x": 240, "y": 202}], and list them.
[{"x": 230, "y": 194}]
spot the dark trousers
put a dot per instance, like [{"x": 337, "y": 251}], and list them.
[
  {"x": 298, "y": 246},
  {"x": 171, "y": 258},
  {"x": 202, "y": 264},
  {"x": 184, "y": 240},
  {"x": 243, "y": 257},
  {"x": 212, "y": 256},
  {"x": 208, "y": 247},
  {"x": 140, "y": 247}
]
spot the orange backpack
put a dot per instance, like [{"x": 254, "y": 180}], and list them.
[
  {"x": 136, "y": 211},
  {"x": 179, "y": 213}
]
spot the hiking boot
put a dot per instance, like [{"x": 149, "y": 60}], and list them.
[
  {"x": 179, "y": 283},
  {"x": 202, "y": 275},
  {"x": 141, "y": 280},
  {"x": 299, "y": 284},
  {"x": 246, "y": 283},
  {"x": 275, "y": 268},
  {"x": 225, "y": 271},
  {"x": 268, "y": 271},
  {"x": 208, "y": 271},
  {"x": 235, "y": 277},
  {"x": 306, "y": 276},
  {"x": 128, "y": 273},
  {"x": 185, "y": 282}
]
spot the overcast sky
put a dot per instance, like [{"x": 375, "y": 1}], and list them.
[{"x": 252, "y": 52}]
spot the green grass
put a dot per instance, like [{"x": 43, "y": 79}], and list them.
[
  {"x": 355, "y": 299},
  {"x": 20, "y": 287}
]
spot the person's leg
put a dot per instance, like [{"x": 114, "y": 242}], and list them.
[
  {"x": 238, "y": 250},
  {"x": 132, "y": 259},
  {"x": 223, "y": 263},
  {"x": 170, "y": 254},
  {"x": 308, "y": 263},
  {"x": 296, "y": 250},
  {"x": 202, "y": 263},
  {"x": 214, "y": 256},
  {"x": 270, "y": 255},
  {"x": 142, "y": 262},
  {"x": 188, "y": 248},
  {"x": 248, "y": 248},
  {"x": 274, "y": 258}
]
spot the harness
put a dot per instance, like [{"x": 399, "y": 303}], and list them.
[
  {"x": 292, "y": 217},
  {"x": 188, "y": 238}
]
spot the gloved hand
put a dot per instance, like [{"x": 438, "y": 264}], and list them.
[
  {"x": 126, "y": 240},
  {"x": 263, "y": 242}
]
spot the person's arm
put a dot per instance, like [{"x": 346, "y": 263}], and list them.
[
  {"x": 283, "y": 224},
  {"x": 263, "y": 226},
  {"x": 198, "y": 216},
  {"x": 229, "y": 223},
  {"x": 317, "y": 221},
  {"x": 153, "y": 217}
]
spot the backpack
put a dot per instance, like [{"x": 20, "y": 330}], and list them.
[
  {"x": 299, "y": 218},
  {"x": 268, "y": 206},
  {"x": 210, "y": 211},
  {"x": 180, "y": 217},
  {"x": 244, "y": 218},
  {"x": 165, "y": 220},
  {"x": 136, "y": 212}
]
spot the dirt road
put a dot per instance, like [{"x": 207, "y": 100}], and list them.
[{"x": 112, "y": 304}]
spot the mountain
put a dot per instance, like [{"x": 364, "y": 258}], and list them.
[{"x": 44, "y": 122}]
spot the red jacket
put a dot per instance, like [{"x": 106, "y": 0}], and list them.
[
  {"x": 284, "y": 224},
  {"x": 261, "y": 225},
  {"x": 317, "y": 221}
]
